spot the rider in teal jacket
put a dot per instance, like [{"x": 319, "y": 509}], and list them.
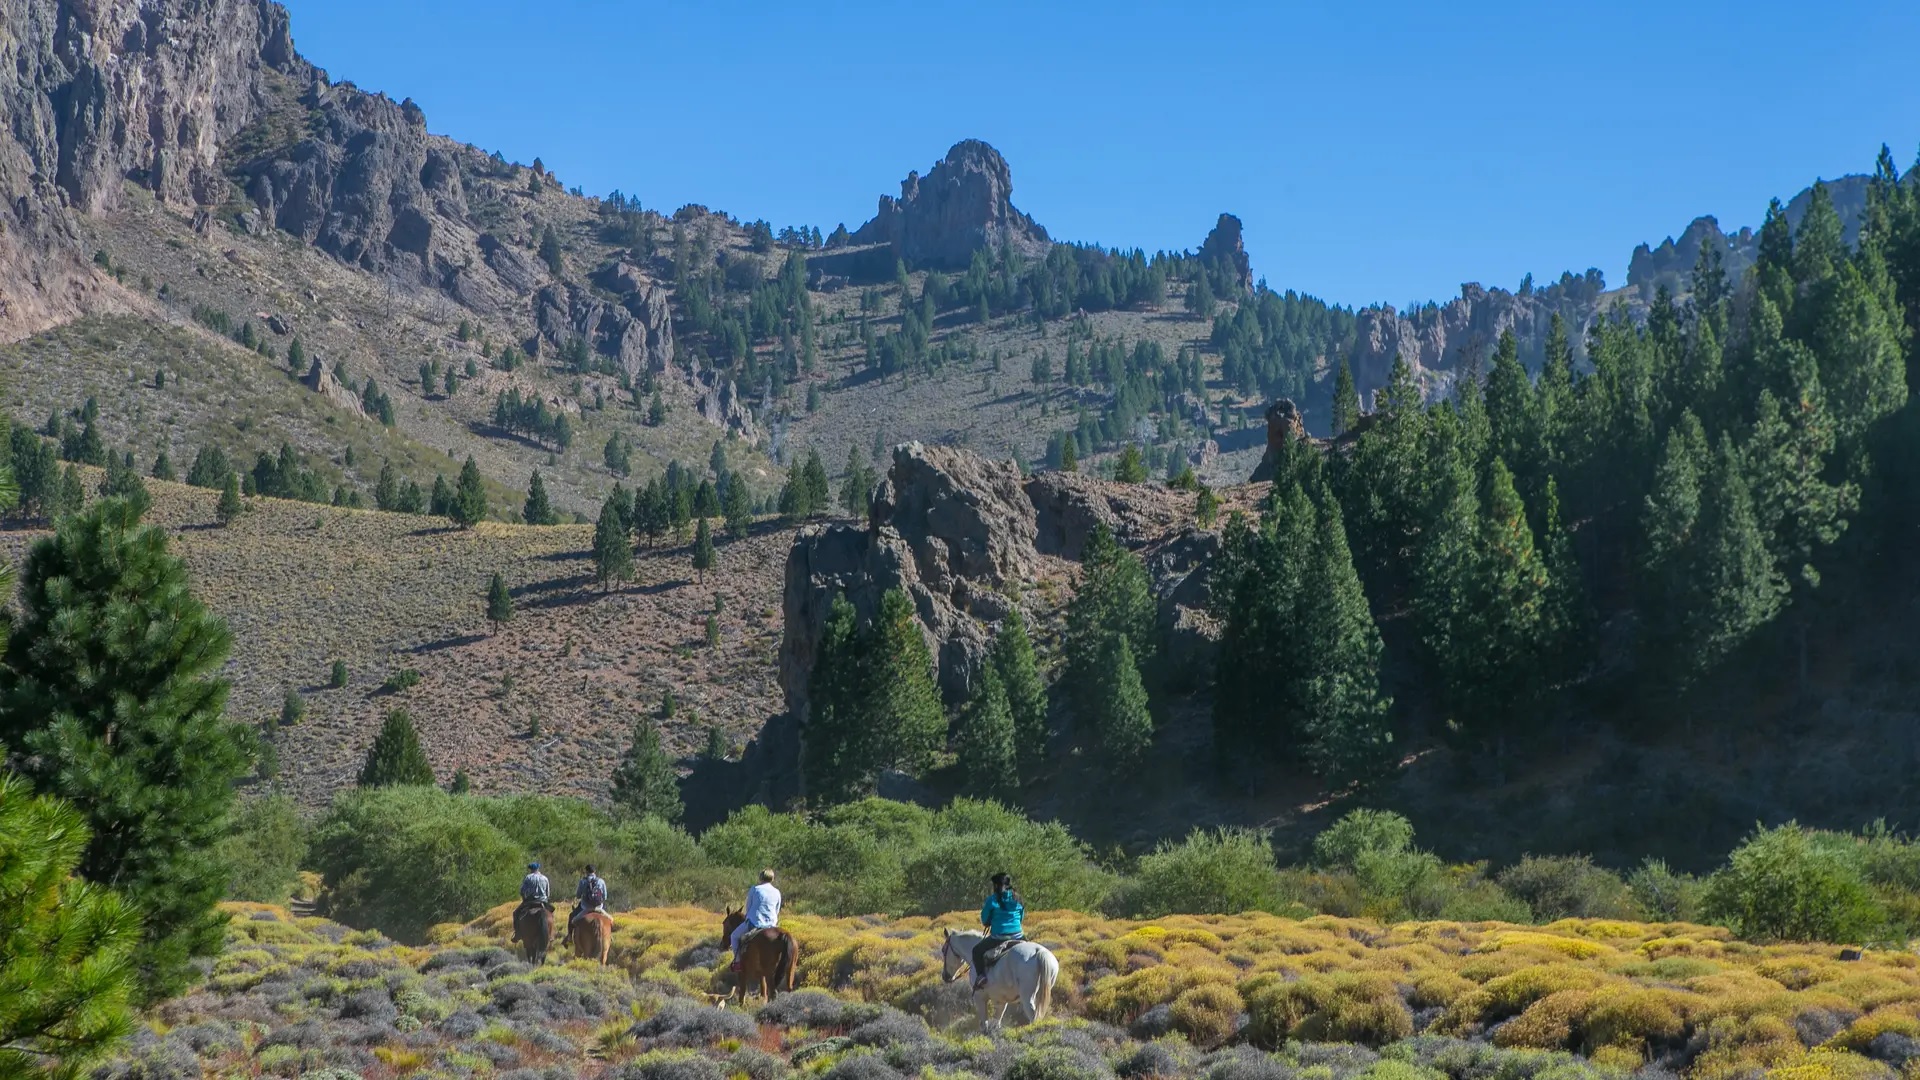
[{"x": 1003, "y": 916}]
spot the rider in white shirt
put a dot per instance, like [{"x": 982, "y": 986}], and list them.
[{"x": 763, "y": 910}]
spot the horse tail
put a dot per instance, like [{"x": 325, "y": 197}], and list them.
[
  {"x": 1043, "y": 993},
  {"x": 783, "y": 969}
]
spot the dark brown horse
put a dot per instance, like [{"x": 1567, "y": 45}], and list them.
[
  {"x": 533, "y": 929},
  {"x": 767, "y": 961}
]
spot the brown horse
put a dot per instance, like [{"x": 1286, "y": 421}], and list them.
[
  {"x": 768, "y": 960},
  {"x": 533, "y": 929},
  {"x": 592, "y": 936}
]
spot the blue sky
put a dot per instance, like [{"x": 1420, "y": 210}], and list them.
[{"x": 1376, "y": 152}]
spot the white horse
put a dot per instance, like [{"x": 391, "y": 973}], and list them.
[{"x": 1023, "y": 976}]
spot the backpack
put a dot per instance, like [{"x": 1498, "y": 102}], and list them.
[{"x": 596, "y": 892}]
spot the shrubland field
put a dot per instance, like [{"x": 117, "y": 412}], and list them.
[{"x": 1252, "y": 996}]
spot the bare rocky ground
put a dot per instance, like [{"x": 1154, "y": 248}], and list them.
[{"x": 303, "y": 585}]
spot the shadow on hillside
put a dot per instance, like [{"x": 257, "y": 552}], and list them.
[
  {"x": 563, "y": 556},
  {"x": 491, "y": 431},
  {"x": 432, "y": 531},
  {"x": 447, "y": 643}
]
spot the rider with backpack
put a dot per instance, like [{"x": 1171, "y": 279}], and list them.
[
  {"x": 1003, "y": 916},
  {"x": 590, "y": 895}
]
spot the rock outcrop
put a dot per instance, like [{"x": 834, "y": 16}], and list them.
[
  {"x": 100, "y": 92},
  {"x": 964, "y": 205},
  {"x": 962, "y": 535},
  {"x": 1225, "y": 245},
  {"x": 1438, "y": 339},
  {"x": 636, "y": 333}
]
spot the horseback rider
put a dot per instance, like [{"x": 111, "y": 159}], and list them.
[
  {"x": 762, "y": 912},
  {"x": 1002, "y": 915},
  {"x": 535, "y": 890},
  {"x": 589, "y": 895}
]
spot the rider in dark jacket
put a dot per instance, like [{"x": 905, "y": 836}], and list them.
[{"x": 1003, "y": 915}]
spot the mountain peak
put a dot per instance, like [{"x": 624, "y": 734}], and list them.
[{"x": 962, "y": 205}]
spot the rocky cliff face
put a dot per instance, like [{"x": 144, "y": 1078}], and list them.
[
  {"x": 1670, "y": 263},
  {"x": 1224, "y": 244},
  {"x": 961, "y": 535},
  {"x": 207, "y": 104},
  {"x": 98, "y": 92},
  {"x": 1437, "y": 339},
  {"x": 964, "y": 205}
]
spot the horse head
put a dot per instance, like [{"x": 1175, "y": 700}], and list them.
[
  {"x": 951, "y": 959},
  {"x": 732, "y": 920}
]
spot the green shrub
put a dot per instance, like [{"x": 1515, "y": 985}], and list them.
[
  {"x": 1227, "y": 871},
  {"x": 1792, "y": 884},
  {"x": 1359, "y": 834},
  {"x": 406, "y": 857},
  {"x": 1568, "y": 886},
  {"x": 404, "y": 679},
  {"x": 1049, "y": 867},
  {"x": 1664, "y": 894},
  {"x": 265, "y": 849}
]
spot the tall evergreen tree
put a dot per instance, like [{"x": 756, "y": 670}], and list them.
[
  {"x": 737, "y": 506},
  {"x": 386, "y": 490},
  {"x": 396, "y": 757},
  {"x": 469, "y": 506},
  {"x": 984, "y": 740},
  {"x": 439, "y": 504},
  {"x": 538, "y": 510},
  {"x": 1737, "y": 587},
  {"x": 1258, "y": 585},
  {"x": 904, "y": 704},
  {"x": 1114, "y": 599},
  {"x": 1346, "y": 400},
  {"x": 1512, "y": 415},
  {"x": 837, "y": 745},
  {"x": 69, "y": 945},
  {"x": 612, "y": 551},
  {"x": 1819, "y": 248},
  {"x": 499, "y": 601},
  {"x": 112, "y": 698},
  {"x": 1344, "y": 725},
  {"x": 1018, "y": 672},
  {"x": 229, "y": 507},
  {"x": 703, "y": 555},
  {"x": 1122, "y": 723},
  {"x": 645, "y": 783},
  {"x": 819, "y": 494}
]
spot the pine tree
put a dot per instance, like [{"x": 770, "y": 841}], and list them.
[
  {"x": 469, "y": 505},
  {"x": 645, "y": 783},
  {"x": 1511, "y": 415},
  {"x": 1130, "y": 468},
  {"x": 858, "y": 486},
  {"x": 396, "y": 758},
  {"x": 461, "y": 784},
  {"x": 337, "y": 675},
  {"x": 112, "y": 697},
  {"x": 550, "y": 251},
  {"x": 1018, "y": 672},
  {"x": 1501, "y": 668},
  {"x": 703, "y": 556},
  {"x": 163, "y": 467},
  {"x": 716, "y": 748},
  {"x": 121, "y": 481},
  {"x": 499, "y": 601},
  {"x": 1819, "y": 248},
  {"x": 386, "y": 490},
  {"x": 1858, "y": 335},
  {"x": 612, "y": 551},
  {"x": 72, "y": 497},
  {"x": 1553, "y": 395},
  {"x": 738, "y": 508},
  {"x": 1114, "y": 599},
  {"x": 706, "y": 501},
  {"x": 1259, "y": 580},
  {"x": 1123, "y": 726},
  {"x": 70, "y": 974},
  {"x": 819, "y": 494},
  {"x": 439, "y": 504},
  {"x": 1346, "y": 400},
  {"x": 837, "y": 744},
  {"x": 984, "y": 740},
  {"x": 1344, "y": 726},
  {"x": 904, "y": 704},
  {"x": 1737, "y": 588},
  {"x": 538, "y": 511}
]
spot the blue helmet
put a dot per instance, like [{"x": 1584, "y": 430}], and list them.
[{"x": 533, "y": 866}]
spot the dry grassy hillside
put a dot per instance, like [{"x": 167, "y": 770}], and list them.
[
  {"x": 385, "y": 330},
  {"x": 1211, "y": 996},
  {"x": 302, "y": 585}
]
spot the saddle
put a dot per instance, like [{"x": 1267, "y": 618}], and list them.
[
  {"x": 992, "y": 956},
  {"x": 756, "y": 932}
]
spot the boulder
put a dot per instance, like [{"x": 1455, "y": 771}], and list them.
[{"x": 963, "y": 205}]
